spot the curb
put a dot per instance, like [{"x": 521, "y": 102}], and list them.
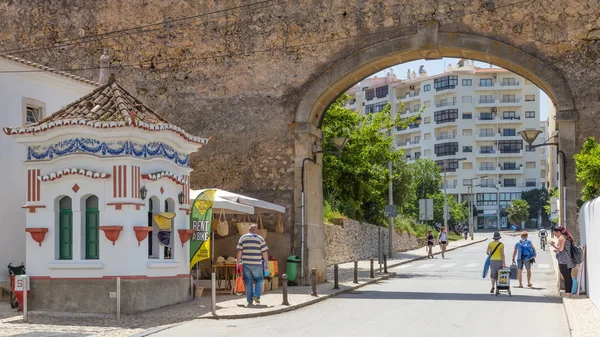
[
  {"x": 571, "y": 319},
  {"x": 438, "y": 253},
  {"x": 324, "y": 297},
  {"x": 301, "y": 305}
]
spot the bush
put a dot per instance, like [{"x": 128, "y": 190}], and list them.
[{"x": 329, "y": 214}]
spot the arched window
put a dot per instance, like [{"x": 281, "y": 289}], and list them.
[
  {"x": 65, "y": 229},
  {"x": 92, "y": 223}
]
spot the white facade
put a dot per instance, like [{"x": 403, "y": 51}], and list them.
[
  {"x": 43, "y": 90},
  {"x": 472, "y": 113}
]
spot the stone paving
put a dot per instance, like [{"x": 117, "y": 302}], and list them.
[
  {"x": 45, "y": 324},
  {"x": 584, "y": 317}
]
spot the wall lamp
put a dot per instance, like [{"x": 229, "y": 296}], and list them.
[
  {"x": 181, "y": 198},
  {"x": 143, "y": 192}
]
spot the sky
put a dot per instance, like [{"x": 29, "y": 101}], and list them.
[{"x": 434, "y": 67}]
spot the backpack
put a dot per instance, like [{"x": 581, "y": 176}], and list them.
[
  {"x": 527, "y": 250},
  {"x": 576, "y": 253}
]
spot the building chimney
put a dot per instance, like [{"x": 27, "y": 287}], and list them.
[{"x": 104, "y": 68}]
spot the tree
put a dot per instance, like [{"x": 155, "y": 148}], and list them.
[
  {"x": 518, "y": 212},
  {"x": 356, "y": 181},
  {"x": 459, "y": 212},
  {"x": 587, "y": 166},
  {"x": 537, "y": 198}
]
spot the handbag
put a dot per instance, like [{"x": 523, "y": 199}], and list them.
[
  {"x": 279, "y": 225},
  {"x": 261, "y": 230},
  {"x": 240, "y": 288},
  {"x": 222, "y": 226}
]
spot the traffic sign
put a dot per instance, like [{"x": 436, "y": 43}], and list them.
[
  {"x": 390, "y": 211},
  {"x": 425, "y": 209}
]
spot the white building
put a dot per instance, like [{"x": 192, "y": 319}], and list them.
[
  {"x": 472, "y": 113},
  {"x": 28, "y": 92},
  {"x": 99, "y": 172}
]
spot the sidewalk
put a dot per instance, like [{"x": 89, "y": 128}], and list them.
[
  {"x": 228, "y": 306},
  {"x": 583, "y": 316}
]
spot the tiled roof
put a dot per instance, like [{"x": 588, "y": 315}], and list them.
[
  {"x": 48, "y": 69},
  {"x": 108, "y": 106}
]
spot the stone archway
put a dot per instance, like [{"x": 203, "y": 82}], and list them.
[{"x": 427, "y": 43}]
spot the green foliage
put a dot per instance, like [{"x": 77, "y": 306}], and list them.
[
  {"x": 329, "y": 214},
  {"x": 537, "y": 198},
  {"x": 415, "y": 228},
  {"x": 553, "y": 193},
  {"x": 355, "y": 182},
  {"x": 587, "y": 165},
  {"x": 518, "y": 211}
]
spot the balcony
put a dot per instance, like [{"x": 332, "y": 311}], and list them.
[
  {"x": 444, "y": 137},
  {"x": 443, "y": 104},
  {"x": 485, "y": 170},
  {"x": 510, "y": 153},
  {"x": 510, "y": 120},
  {"x": 509, "y": 85},
  {"x": 448, "y": 186},
  {"x": 409, "y": 128},
  {"x": 409, "y": 96},
  {"x": 409, "y": 144},
  {"x": 485, "y": 87},
  {"x": 447, "y": 120},
  {"x": 509, "y": 102},
  {"x": 487, "y": 154},
  {"x": 484, "y": 103},
  {"x": 486, "y": 136},
  {"x": 511, "y": 170}
]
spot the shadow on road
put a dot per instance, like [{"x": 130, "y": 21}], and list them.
[
  {"x": 394, "y": 295},
  {"x": 417, "y": 275}
]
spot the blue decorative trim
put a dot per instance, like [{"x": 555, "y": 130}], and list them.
[{"x": 107, "y": 149}]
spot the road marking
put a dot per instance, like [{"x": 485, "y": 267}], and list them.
[
  {"x": 471, "y": 265},
  {"x": 449, "y": 265},
  {"x": 403, "y": 266},
  {"x": 427, "y": 265},
  {"x": 543, "y": 266}
]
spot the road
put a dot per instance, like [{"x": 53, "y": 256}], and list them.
[{"x": 431, "y": 297}]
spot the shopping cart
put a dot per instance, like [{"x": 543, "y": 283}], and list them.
[
  {"x": 12, "y": 271},
  {"x": 503, "y": 281}
]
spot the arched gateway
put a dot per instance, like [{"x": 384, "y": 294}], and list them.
[{"x": 427, "y": 43}]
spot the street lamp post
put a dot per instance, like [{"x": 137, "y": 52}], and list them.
[
  {"x": 471, "y": 205},
  {"x": 445, "y": 211},
  {"x": 339, "y": 143},
  {"x": 497, "y": 187},
  {"x": 530, "y": 136}
]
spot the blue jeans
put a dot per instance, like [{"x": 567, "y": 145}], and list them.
[{"x": 253, "y": 273}]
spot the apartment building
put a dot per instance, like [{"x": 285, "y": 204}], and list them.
[{"x": 469, "y": 126}]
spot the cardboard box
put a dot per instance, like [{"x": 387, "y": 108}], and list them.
[{"x": 275, "y": 282}]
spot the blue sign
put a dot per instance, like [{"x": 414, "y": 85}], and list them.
[{"x": 513, "y": 227}]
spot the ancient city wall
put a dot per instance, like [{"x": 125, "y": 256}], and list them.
[{"x": 349, "y": 240}]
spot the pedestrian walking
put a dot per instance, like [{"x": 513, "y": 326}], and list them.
[
  {"x": 565, "y": 262},
  {"x": 251, "y": 251},
  {"x": 443, "y": 240},
  {"x": 525, "y": 251},
  {"x": 430, "y": 244},
  {"x": 495, "y": 250}
]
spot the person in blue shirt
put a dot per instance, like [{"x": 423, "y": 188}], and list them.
[{"x": 526, "y": 254}]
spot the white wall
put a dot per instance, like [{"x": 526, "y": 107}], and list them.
[
  {"x": 589, "y": 218},
  {"x": 55, "y": 92},
  {"x": 125, "y": 257}
]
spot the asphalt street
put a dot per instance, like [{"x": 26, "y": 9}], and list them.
[{"x": 430, "y": 297}]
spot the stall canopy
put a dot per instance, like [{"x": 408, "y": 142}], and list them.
[
  {"x": 242, "y": 200},
  {"x": 227, "y": 206}
]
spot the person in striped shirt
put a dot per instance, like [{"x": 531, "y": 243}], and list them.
[{"x": 251, "y": 250}]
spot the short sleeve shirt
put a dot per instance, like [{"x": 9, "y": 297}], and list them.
[
  {"x": 252, "y": 247},
  {"x": 498, "y": 253}
]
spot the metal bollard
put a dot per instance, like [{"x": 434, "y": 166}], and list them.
[
  {"x": 313, "y": 281},
  {"x": 284, "y": 284},
  {"x": 355, "y": 271},
  {"x": 385, "y": 264},
  {"x": 372, "y": 272},
  {"x": 336, "y": 277}
]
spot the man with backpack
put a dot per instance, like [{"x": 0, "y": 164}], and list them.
[{"x": 526, "y": 254}]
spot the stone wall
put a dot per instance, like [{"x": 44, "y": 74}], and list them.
[{"x": 349, "y": 240}]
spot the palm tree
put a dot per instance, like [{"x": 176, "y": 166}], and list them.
[{"x": 518, "y": 211}]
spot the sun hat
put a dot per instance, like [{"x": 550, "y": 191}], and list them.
[{"x": 497, "y": 236}]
